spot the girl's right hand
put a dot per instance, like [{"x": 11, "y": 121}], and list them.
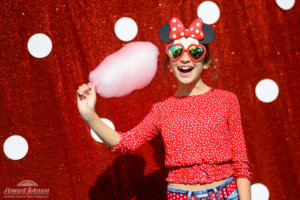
[{"x": 86, "y": 100}]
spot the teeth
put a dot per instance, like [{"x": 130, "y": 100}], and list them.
[{"x": 184, "y": 68}]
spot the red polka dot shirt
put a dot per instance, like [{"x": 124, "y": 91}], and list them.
[{"x": 203, "y": 137}]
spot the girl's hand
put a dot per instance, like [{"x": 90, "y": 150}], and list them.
[{"x": 86, "y": 100}]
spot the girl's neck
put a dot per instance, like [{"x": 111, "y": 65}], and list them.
[{"x": 198, "y": 87}]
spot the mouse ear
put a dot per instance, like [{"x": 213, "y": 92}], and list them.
[
  {"x": 164, "y": 33},
  {"x": 209, "y": 34}
]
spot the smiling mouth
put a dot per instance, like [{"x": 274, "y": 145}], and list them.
[{"x": 185, "y": 69}]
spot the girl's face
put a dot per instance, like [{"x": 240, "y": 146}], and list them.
[{"x": 185, "y": 70}]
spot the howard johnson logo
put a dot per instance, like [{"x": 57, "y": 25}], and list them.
[{"x": 26, "y": 189}]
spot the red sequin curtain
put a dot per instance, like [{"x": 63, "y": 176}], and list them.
[{"x": 254, "y": 40}]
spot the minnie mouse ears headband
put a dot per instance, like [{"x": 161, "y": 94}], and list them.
[{"x": 175, "y": 30}]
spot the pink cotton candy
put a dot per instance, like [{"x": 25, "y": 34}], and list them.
[{"x": 130, "y": 68}]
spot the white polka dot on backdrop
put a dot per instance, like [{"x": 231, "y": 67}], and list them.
[
  {"x": 126, "y": 29},
  {"x": 259, "y": 192},
  {"x": 209, "y": 12},
  {"x": 108, "y": 123},
  {"x": 15, "y": 147},
  {"x": 39, "y": 45},
  {"x": 266, "y": 90},
  {"x": 285, "y": 4}
]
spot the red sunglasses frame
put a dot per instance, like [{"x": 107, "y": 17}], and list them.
[{"x": 186, "y": 50}]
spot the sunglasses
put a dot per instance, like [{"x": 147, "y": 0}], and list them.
[{"x": 195, "y": 51}]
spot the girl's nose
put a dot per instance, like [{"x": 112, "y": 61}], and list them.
[{"x": 185, "y": 58}]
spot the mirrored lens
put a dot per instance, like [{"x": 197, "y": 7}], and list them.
[
  {"x": 196, "y": 52},
  {"x": 175, "y": 51}
]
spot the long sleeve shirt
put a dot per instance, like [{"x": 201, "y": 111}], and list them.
[{"x": 203, "y": 137}]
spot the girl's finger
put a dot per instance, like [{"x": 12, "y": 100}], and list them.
[
  {"x": 84, "y": 87},
  {"x": 90, "y": 85}
]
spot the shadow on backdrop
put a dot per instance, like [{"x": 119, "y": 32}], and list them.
[{"x": 125, "y": 179}]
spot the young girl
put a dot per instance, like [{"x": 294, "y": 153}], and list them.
[{"x": 201, "y": 126}]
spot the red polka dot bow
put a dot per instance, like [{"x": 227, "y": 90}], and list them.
[{"x": 178, "y": 31}]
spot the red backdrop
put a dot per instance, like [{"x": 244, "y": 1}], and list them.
[{"x": 254, "y": 40}]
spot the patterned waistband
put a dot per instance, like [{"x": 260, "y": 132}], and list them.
[{"x": 223, "y": 191}]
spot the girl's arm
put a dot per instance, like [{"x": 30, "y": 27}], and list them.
[
  {"x": 119, "y": 142},
  {"x": 244, "y": 188},
  {"x": 109, "y": 137},
  {"x": 86, "y": 101},
  {"x": 240, "y": 158}
]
